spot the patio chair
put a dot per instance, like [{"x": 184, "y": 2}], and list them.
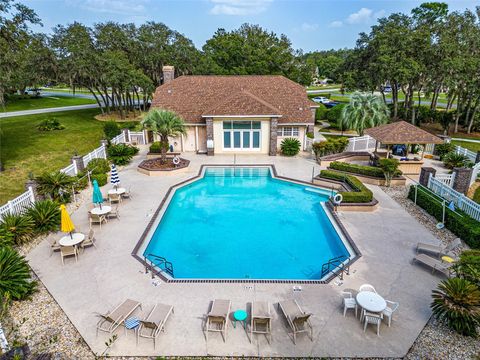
[
  {"x": 66, "y": 251},
  {"x": 217, "y": 318},
  {"x": 433, "y": 263},
  {"x": 89, "y": 241},
  {"x": 439, "y": 250},
  {"x": 367, "y": 287},
  {"x": 114, "y": 198},
  {"x": 374, "y": 319},
  {"x": 97, "y": 219},
  {"x": 349, "y": 302},
  {"x": 392, "y": 306},
  {"x": 297, "y": 319},
  {"x": 155, "y": 322},
  {"x": 113, "y": 319},
  {"x": 54, "y": 246},
  {"x": 127, "y": 194},
  {"x": 261, "y": 320},
  {"x": 114, "y": 213}
]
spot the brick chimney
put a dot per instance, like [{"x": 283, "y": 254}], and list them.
[{"x": 168, "y": 74}]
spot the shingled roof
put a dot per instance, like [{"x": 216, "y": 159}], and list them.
[
  {"x": 402, "y": 132},
  {"x": 196, "y": 97}
]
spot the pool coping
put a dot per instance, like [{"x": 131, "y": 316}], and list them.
[{"x": 166, "y": 278}]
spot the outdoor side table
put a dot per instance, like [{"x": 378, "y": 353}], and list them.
[
  {"x": 240, "y": 315},
  {"x": 131, "y": 323}
]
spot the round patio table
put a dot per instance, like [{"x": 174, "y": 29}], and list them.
[
  {"x": 74, "y": 240},
  {"x": 118, "y": 191},
  {"x": 371, "y": 301},
  {"x": 101, "y": 211}
]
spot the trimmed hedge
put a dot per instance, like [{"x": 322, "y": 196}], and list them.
[
  {"x": 462, "y": 225},
  {"x": 359, "y": 194},
  {"x": 101, "y": 178},
  {"x": 360, "y": 169}
]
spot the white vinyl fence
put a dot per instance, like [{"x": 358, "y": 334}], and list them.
[
  {"x": 470, "y": 207},
  {"x": 447, "y": 179},
  {"x": 98, "y": 153},
  {"x": 361, "y": 143},
  {"x": 118, "y": 139},
  {"x": 19, "y": 204},
  {"x": 475, "y": 173},
  {"x": 137, "y": 137},
  {"x": 468, "y": 153}
]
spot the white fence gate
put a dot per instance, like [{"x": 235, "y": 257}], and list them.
[
  {"x": 361, "y": 143},
  {"x": 447, "y": 179},
  {"x": 470, "y": 207},
  {"x": 19, "y": 204}
]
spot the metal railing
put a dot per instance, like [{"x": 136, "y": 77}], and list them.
[
  {"x": 158, "y": 262},
  {"x": 338, "y": 265}
]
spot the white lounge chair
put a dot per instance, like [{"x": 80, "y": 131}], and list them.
[
  {"x": 389, "y": 310},
  {"x": 433, "y": 263},
  {"x": 349, "y": 302},
  {"x": 439, "y": 250}
]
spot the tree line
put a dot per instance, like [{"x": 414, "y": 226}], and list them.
[{"x": 430, "y": 51}]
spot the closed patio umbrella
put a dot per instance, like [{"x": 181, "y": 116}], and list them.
[
  {"x": 66, "y": 224},
  {"x": 97, "y": 194},
  {"x": 114, "y": 179}
]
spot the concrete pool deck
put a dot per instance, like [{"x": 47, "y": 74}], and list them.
[{"x": 104, "y": 277}]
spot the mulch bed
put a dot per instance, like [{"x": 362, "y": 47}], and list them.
[{"x": 157, "y": 164}]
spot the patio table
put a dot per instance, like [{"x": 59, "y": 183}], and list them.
[
  {"x": 101, "y": 211},
  {"x": 118, "y": 191},
  {"x": 370, "y": 301},
  {"x": 74, "y": 240}
]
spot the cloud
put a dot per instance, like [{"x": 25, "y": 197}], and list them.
[
  {"x": 336, "y": 24},
  {"x": 120, "y": 7},
  {"x": 239, "y": 7},
  {"x": 308, "y": 27}
]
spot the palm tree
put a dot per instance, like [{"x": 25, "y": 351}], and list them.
[
  {"x": 166, "y": 124},
  {"x": 56, "y": 185},
  {"x": 364, "y": 111}
]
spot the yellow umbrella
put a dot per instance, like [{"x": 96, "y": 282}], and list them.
[{"x": 66, "y": 224}]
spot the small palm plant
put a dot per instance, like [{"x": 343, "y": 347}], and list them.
[
  {"x": 165, "y": 124},
  {"x": 45, "y": 214},
  {"x": 290, "y": 146},
  {"x": 364, "y": 111},
  {"x": 456, "y": 302},
  {"x": 454, "y": 160},
  {"x": 17, "y": 227},
  {"x": 55, "y": 185},
  {"x": 15, "y": 281}
]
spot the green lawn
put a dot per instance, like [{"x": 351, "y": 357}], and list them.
[
  {"x": 25, "y": 149},
  {"x": 43, "y": 102},
  {"x": 325, "y": 87},
  {"x": 467, "y": 145}
]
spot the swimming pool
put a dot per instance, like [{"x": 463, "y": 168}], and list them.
[{"x": 242, "y": 223}]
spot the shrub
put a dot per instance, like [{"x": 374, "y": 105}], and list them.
[
  {"x": 357, "y": 169},
  {"x": 331, "y": 146},
  {"x": 443, "y": 149},
  {"x": 290, "y": 146},
  {"x": 101, "y": 178},
  {"x": 80, "y": 181},
  {"x": 389, "y": 168},
  {"x": 310, "y": 135},
  {"x": 6, "y": 237},
  {"x": 333, "y": 115},
  {"x": 458, "y": 222},
  {"x": 130, "y": 125},
  {"x": 476, "y": 195},
  {"x": 321, "y": 112},
  {"x": 359, "y": 194},
  {"x": 121, "y": 154},
  {"x": 98, "y": 166},
  {"x": 45, "y": 215},
  {"x": 20, "y": 227},
  {"x": 55, "y": 185},
  {"x": 15, "y": 281},
  {"x": 456, "y": 302},
  {"x": 111, "y": 129},
  {"x": 50, "y": 124},
  {"x": 468, "y": 266},
  {"x": 454, "y": 160},
  {"x": 156, "y": 147}
]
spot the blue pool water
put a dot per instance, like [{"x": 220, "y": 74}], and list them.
[{"x": 242, "y": 223}]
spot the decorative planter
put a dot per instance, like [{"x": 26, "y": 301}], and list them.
[{"x": 154, "y": 167}]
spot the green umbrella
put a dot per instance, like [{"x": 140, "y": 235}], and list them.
[{"x": 97, "y": 194}]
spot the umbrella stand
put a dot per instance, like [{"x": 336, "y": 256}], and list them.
[{"x": 71, "y": 237}]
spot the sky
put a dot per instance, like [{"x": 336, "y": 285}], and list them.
[{"x": 309, "y": 24}]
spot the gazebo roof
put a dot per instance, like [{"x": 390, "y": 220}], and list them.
[{"x": 402, "y": 132}]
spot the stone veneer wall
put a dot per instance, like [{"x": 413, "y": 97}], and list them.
[
  {"x": 461, "y": 183},
  {"x": 273, "y": 136},
  {"x": 209, "y": 122}
]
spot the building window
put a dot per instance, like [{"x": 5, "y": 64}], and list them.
[
  {"x": 288, "y": 131},
  {"x": 241, "y": 135}
]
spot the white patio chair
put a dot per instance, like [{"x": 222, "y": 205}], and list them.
[
  {"x": 349, "y": 302},
  {"x": 367, "y": 287},
  {"x": 127, "y": 194},
  {"x": 374, "y": 319},
  {"x": 392, "y": 306},
  {"x": 68, "y": 251}
]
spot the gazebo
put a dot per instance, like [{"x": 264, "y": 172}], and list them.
[{"x": 402, "y": 132}]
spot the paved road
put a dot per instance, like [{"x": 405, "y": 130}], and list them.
[{"x": 48, "y": 110}]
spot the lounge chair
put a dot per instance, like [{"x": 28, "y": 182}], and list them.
[
  {"x": 89, "y": 241},
  {"x": 218, "y": 317},
  {"x": 297, "y": 319},
  {"x": 68, "y": 251},
  {"x": 261, "y": 320},
  {"x": 433, "y": 263},
  {"x": 97, "y": 219},
  {"x": 113, "y": 319},
  {"x": 155, "y": 322},
  {"x": 439, "y": 250}
]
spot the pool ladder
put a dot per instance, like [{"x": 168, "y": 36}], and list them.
[
  {"x": 339, "y": 264},
  {"x": 157, "y": 261}
]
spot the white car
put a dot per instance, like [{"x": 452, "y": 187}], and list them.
[{"x": 321, "y": 99}]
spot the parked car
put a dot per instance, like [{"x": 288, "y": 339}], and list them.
[
  {"x": 321, "y": 99},
  {"x": 32, "y": 92}
]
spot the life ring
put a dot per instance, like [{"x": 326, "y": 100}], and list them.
[
  {"x": 337, "y": 199},
  {"x": 176, "y": 160}
]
